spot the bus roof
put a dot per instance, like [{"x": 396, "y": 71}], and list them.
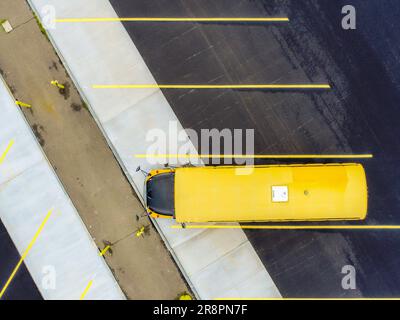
[{"x": 271, "y": 193}]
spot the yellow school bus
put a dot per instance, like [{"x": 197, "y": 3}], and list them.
[{"x": 313, "y": 192}]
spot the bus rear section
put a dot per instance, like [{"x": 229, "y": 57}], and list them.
[{"x": 278, "y": 193}]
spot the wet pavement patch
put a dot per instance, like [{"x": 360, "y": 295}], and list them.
[
  {"x": 36, "y": 130},
  {"x": 65, "y": 92},
  {"x": 76, "y": 107}
]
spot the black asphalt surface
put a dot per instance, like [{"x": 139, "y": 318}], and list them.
[
  {"x": 359, "y": 115},
  {"x": 22, "y": 286}
]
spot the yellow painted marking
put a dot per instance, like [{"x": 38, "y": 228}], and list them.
[
  {"x": 4, "y": 154},
  {"x": 290, "y": 227},
  {"x": 140, "y": 232},
  {"x": 260, "y": 156},
  {"x": 104, "y": 251},
  {"x": 83, "y": 295},
  {"x": 57, "y": 84},
  {"x": 170, "y": 19},
  {"x": 217, "y": 86},
  {"x": 23, "y": 104},
  {"x": 38, "y": 232}
]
